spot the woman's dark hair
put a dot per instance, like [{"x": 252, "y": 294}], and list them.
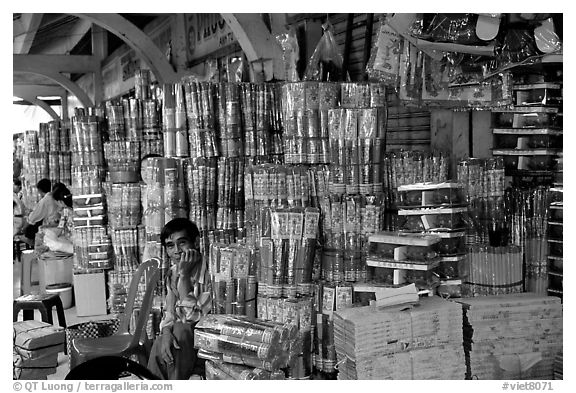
[
  {"x": 17, "y": 182},
  {"x": 61, "y": 193},
  {"x": 177, "y": 225},
  {"x": 44, "y": 185}
]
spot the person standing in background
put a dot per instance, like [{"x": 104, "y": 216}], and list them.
[
  {"x": 46, "y": 212},
  {"x": 17, "y": 207}
]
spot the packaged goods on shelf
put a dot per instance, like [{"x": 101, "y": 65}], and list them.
[
  {"x": 424, "y": 195},
  {"x": 126, "y": 246},
  {"x": 201, "y": 181},
  {"x": 422, "y": 342},
  {"x": 512, "y": 336},
  {"x": 115, "y": 119},
  {"x": 86, "y": 141}
]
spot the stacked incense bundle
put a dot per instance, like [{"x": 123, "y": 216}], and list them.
[
  {"x": 493, "y": 271},
  {"x": 512, "y": 336},
  {"x": 233, "y": 271},
  {"x": 230, "y": 339},
  {"x": 272, "y": 185},
  {"x": 305, "y": 108},
  {"x": 201, "y": 181},
  {"x": 116, "y": 122},
  {"x": 174, "y": 121},
  {"x": 528, "y": 217},
  {"x": 424, "y": 342},
  {"x": 328, "y": 298},
  {"x": 261, "y": 119},
  {"x": 408, "y": 167},
  {"x": 46, "y": 156},
  {"x": 216, "y": 371},
  {"x": 92, "y": 247},
  {"x": 230, "y": 194},
  {"x": 356, "y": 150},
  {"x": 287, "y": 248},
  {"x": 483, "y": 184},
  {"x": 200, "y": 112},
  {"x": 347, "y": 221},
  {"x": 124, "y": 205}
]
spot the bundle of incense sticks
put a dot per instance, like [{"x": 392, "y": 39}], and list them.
[
  {"x": 527, "y": 211},
  {"x": 493, "y": 271},
  {"x": 124, "y": 205},
  {"x": 356, "y": 150},
  {"x": 405, "y": 167},
  {"x": 233, "y": 270},
  {"x": 201, "y": 115},
  {"x": 305, "y": 108},
  {"x": 125, "y": 243},
  {"x": 287, "y": 242},
  {"x": 116, "y": 123}
]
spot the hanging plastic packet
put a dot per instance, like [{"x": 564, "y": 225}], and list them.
[
  {"x": 290, "y": 49},
  {"x": 384, "y": 63},
  {"x": 325, "y": 65}
]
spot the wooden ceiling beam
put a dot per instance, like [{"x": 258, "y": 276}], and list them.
[
  {"x": 24, "y": 33},
  {"x": 38, "y": 90},
  {"x": 77, "y": 64},
  {"x": 136, "y": 39},
  {"x": 35, "y": 101}
]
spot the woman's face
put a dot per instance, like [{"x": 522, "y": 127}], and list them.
[
  {"x": 176, "y": 244},
  {"x": 61, "y": 204}
]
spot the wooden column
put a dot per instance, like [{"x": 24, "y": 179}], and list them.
[{"x": 100, "y": 52}]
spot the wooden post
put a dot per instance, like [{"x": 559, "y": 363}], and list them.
[{"x": 100, "y": 52}]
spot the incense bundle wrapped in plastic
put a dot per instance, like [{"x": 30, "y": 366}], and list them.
[
  {"x": 228, "y": 371},
  {"x": 230, "y": 326},
  {"x": 273, "y": 365},
  {"x": 235, "y": 345}
]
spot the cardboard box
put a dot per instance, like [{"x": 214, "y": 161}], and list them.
[{"x": 90, "y": 294}]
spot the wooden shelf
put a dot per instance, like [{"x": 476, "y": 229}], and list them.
[
  {"x": 525, "y": 152},
  {"x": 402, "y": 265},
  {"x": 528, "y": 109},
  {"x": 527, "y": 131}
]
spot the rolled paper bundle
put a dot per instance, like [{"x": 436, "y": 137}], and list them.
[
  {"x": 231, "y": 326},
  {"x": 272, "y": 365},
  {"x": 235, "y": 345}
]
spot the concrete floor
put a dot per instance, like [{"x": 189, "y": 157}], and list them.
[{"x": 71, "y": 319}]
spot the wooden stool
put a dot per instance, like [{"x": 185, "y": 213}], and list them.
[{"x": 44, "y": 303}]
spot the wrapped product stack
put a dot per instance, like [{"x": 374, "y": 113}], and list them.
[
  {"x": 239, "y": 348},
  {"x": 514, "y": 336},
  {"x": 35, "y": 350},
  {"x": 439, "y": 209},
  {"x": 423, "y": 342}
]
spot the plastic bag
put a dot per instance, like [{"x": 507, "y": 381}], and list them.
[
  {"x": 325, "y": 65},
  {"x": 518, "y": 45},
  {"x": 212, "y": 73},
  {"x": 235, "y": 70},
  {"x": 455, "y": 28},
  {"x": 290, "y": 54},
  {"x": 384, "y": 63}
]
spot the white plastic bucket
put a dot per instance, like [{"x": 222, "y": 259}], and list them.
[{"x": 64, "y": 291}]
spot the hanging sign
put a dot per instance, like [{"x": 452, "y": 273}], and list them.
[{"x": 206, "y": 34}]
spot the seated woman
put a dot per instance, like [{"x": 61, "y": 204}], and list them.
[{"x": 60, "y": 238}]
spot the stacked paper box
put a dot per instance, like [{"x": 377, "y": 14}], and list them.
[
  {"x": 36, "y": 347},
  {"x": 513, "y": 336},
  {"x": 419, "y": 342}
]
